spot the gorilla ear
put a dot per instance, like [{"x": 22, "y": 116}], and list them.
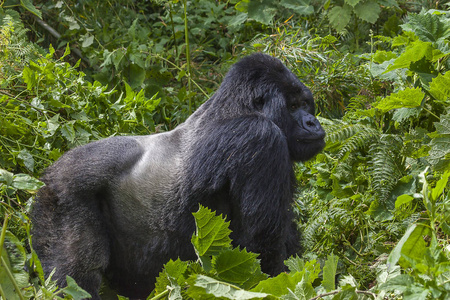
[{"x": 258, "y": 102}]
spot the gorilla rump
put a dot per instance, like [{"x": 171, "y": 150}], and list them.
[{"x": 121, "y": 207}]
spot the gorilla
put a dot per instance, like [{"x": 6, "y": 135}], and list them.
[{"x": 119, "y": 208}]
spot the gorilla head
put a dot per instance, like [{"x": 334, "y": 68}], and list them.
[{"x": 121, "y": 207}]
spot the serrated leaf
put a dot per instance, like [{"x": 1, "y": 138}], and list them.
[
  {"x": 74, "y": 290},
  {"x": 428, "y": 27},
  {"x": 238, "y": 266},
  {"x": 415, "y": 52},
  {"x": 352, "y": 2},
  {"x": 295, "y": 264},
  {"x": 68, "y": 131},
  {"x": 405, "y": 98},
  {"x": 440, "y": 87},
  {"x": 329, "y": 272},
  {"x": 279, "y": 285},
  {"x": 339, "y": 17},
  {"x": 212, "y": 233},
  {"x": 368, "y": 11},
  {"x": 203, "y": 286},
  {"x": 300, "y": 7},
  {"x": 262, "y": 11}
]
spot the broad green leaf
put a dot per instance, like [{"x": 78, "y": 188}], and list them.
[
  {"x": 440, "y": 87},
  {"x": 339, "y": 17},
  {"x": 346, "y": 294},
  {"x": 300, "y": 7},
  {"x": 404, "y": 98},
  {"x": 352, "y": 2},
  {"x": 238, "y": 266},
  {"x": 395, "y": 254},
  {"x": 212, "y": 233},
  {"x": 415, "y": 246},
  {"x": 87, "y": 39},
  {"x": 440, "y": 186},
  {"x": 368, "y": 11},
  {"x": 28, "y": 5},
  {"x": 262, "y": 11},
  {"x": 68, "y": 131},
  {"x": 74, "y": 290},
  {"x": 415, "y": 52},
  {"x": 202, "y": 286},
  {"x": 403, "y": 199},
  {"x": 279, "y": 285},
  {"x": 173, "y": 275},
  {"x": 26, "y": 182},
  {"x": 6, "y": 177},
  {"x": 295, "y": 264},
  {"x": 27, "y": 159},
  {"x": 329, "y": 272},
  {"x": 13, "y": 258},
  {"x": 428, "y": 27}
]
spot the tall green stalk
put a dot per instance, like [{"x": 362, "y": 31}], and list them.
[{"x": 188, "y": 56}]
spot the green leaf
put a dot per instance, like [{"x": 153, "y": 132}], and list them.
[
  {"x": 87, "y": 39},
  {"x": 173, "y": 275},
  {"x": 238, "y": 266},
  {"x": 403, "y": 199},
  {"x": 68, "y": 131},
  {"x": 295, "y": 264},
  {"x": 352, "y": 2},
  {"x": 395, "y": 254},
  {"x": 27, "y": 159},
  {"x": 440, "y": 87},
  {"x": 415, "y": 246},
  {"x": 368, "y": 11},
  {"x": 300, "y": 7},
  {"x": 329, "y": 272},
  {"x": 6, "y": 177},
  {"x": 74, "y": 290},
  {"x": 415, "y": 52},
  {"x": 262, "y": 11},
  {"x": 31, "y": 8},
  {"x": 404, "y": 98},
  {"x": 440, "y": 186},
  {"x": 278, "y": 286},
  {"x": 212, "y": 235},
  {"x": 428, "y": 27},
  {"x": 202, "y": 286},
  {"x": 13, "y": 261},
  {"x": 26, "y": 182},
  {"x": 339, "y": 17}
]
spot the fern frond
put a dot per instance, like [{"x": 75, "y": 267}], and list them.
[
  {"x": 350, "y": 137},
  {"x": 387, "y": 166}
]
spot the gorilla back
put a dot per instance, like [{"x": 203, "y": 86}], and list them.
[{"x": 119, "y": 208}]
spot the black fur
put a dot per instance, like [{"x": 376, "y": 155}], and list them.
[{"x": 121, "y": 207}]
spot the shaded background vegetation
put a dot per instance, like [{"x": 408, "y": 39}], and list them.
[{"x": 76, "y": 71}]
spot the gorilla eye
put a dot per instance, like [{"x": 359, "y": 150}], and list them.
[{"x": 294, "y": 106}]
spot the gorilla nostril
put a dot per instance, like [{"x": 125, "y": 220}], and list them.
[{"x": 310, "y": 123}]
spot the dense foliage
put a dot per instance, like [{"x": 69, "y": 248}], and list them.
[{"x": 373, "y": 208}]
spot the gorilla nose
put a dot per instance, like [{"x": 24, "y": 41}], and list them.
[{"x": 311, "y": 124}]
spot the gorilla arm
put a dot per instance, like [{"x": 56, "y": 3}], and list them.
[{"x": 241, "y": 167}]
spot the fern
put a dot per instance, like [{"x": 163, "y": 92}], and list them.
[
  {"x": 350, "y": 137},
  {"x": 387, "y": 166}
]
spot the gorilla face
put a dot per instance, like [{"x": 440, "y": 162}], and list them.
[{"x": 305, "y": 135}]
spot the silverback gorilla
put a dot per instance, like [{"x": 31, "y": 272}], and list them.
[{"x": 122, "y": 207}]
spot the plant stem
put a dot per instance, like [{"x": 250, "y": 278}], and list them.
[{"x": 188, "y": 57}]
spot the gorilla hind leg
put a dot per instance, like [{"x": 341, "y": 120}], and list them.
[{"x": 74, "y": 244}]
